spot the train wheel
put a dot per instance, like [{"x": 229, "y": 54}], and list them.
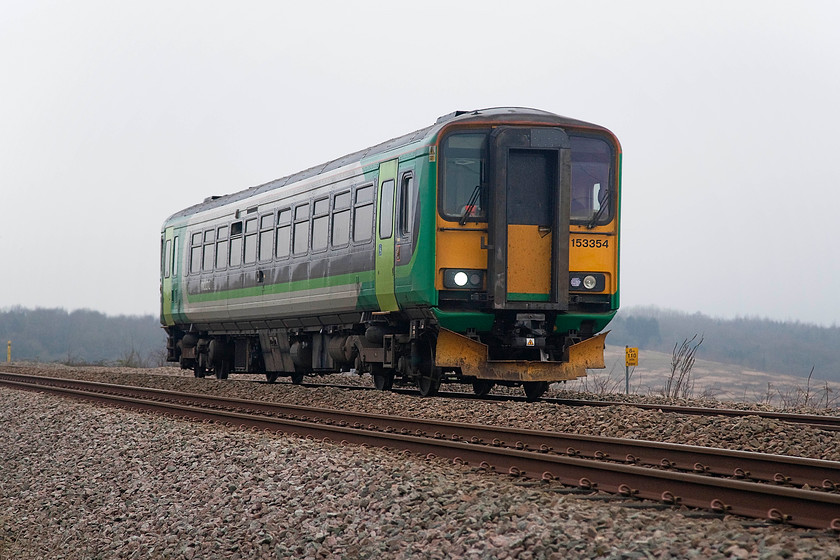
[
  {"x": 482, "y": 387},
  {"x": 534, "y": 389},
  {"x": 428, "y": 375},
  {"x": 297, "y": 378},
  {"x": 271, "y": 376},
  {"x": 383, "y": 378},
  {"x": 199, "y": 370}
]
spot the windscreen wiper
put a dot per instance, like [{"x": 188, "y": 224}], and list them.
[
  {"x": 594, "y": 221},
  {"x": 470, "y": 205}
]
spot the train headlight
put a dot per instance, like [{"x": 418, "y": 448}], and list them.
[
  {"x": 462, "y": 278},
  {"x": 587, "y": 282}
]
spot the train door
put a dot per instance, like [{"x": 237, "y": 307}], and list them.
[
  {"x": 170, "y": 284},
  {"x": 530, "y": 220},
  {"x": 384, "y": 279}
]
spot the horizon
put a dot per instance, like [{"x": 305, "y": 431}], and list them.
[{"x": 117, "y": 116}]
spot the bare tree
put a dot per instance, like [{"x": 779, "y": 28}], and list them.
[{"x": 679, "y": 384}]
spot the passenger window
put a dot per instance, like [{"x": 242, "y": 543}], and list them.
[
  {"x": 363, "y": 214},
  {"x": 209, "y": 259},
  {"x": 284, "y": 232},
  {"x": 300, "y": 243},
  {"x": 341, "y": 219},
  {"x": 235, "y": 244},
  {"x": 251, "y": 241},
  {"x": 320, "y": 224},
  {"x": 195, "y": 253},
  {"x": 175, "y": 257},
  {"x": 167, "y": 257},
  {"x": 386, "y": 210},
  {"x": 221, "y": 253},
  {"x": 406, "y": 211},
  {"x": 266, "y": 237},
  {"x": 221, "y": 247}
]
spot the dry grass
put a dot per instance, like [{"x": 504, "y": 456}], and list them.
[{"x": 723, "y": 382}]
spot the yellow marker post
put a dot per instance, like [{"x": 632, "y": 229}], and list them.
[
  {"x": 9, "y": 352},
  {"x": 631, "y": 358}
]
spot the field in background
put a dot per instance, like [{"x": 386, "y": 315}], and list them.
[{"x": 724, "y": 382}]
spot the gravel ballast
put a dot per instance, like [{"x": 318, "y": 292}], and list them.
[{"x": 79, "y": 480}]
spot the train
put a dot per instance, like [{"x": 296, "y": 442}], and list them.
[{"x": 482, "y": 249}]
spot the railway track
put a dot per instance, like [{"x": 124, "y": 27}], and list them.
[
  {"x": 749, "y": 484},
  {"x": 824, "y": 422}
]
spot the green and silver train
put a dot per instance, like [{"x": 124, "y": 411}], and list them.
[{"x": 482, "y": 249}]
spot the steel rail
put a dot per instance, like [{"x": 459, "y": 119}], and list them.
[
  {"x": 777, "y": 469},
  {"x": 824, "y": 422},
  {"x": 806, "y": 508}
]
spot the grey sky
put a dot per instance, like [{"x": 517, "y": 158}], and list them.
[{"x": 114, "y": 115}]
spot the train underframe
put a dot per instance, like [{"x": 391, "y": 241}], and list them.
[{"x": 520, "y": 350}]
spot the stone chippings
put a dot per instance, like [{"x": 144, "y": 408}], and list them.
[{"x": 83, "y": 481}]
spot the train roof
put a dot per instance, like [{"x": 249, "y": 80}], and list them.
[{"x": 494, "y": 115}]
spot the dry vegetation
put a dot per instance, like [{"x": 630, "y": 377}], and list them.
[{"x": 707, "y": 379}]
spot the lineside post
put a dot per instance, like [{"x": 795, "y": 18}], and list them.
[
  {"x": 631, "y": 358},
  {"x": 9, "y": 352}
]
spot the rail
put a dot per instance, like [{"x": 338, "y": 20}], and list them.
[{"x": 607, "y": 464}]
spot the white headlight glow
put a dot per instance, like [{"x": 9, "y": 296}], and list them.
[
  {"x": 461, "y": 278},
  {"x": 589, "y": 282}
]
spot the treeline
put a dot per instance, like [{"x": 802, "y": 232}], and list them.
[
  {"x": 758, "y": 344},
  {"x": 82, "y": 337},
  {"x": 90, "y": 337}
]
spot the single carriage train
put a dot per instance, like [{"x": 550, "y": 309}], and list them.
[{"x": 482, "y": 249}]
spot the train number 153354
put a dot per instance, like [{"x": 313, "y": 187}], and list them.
[{"x": 591, "y": 243}]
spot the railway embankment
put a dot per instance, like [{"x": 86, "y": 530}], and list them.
[{"x": 81, "y": 480}]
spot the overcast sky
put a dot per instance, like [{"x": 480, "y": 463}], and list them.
[{"x": 114, "y": 115}]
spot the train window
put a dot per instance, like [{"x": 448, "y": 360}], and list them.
[
  {"x": 221, "y": 253},
  {"x": 235, "y": 251},
  {"x": 222, "y": 233},
  {"x": 363, "y": 214},
  {"x": 209, "y": 259},
  {"x": 531, "y": 182},
  {"x": 320, "y": 224},
  {"x": 341, "y": 219},
  {"x": 591, "y": 201},
  {"x": 167, "y": 257},
  {"x": 196, "y": 238},
  {"x": 195, "y": 259},
  {"x": 266, "y": 237},
  {"x": 284, "y": 235},
  {"x": 300, "y": 240},
  {"x": 284, "y": 232},
  {"x": 406, "y": 212},
  {"x": 322, "y": 207},
  {"x": 341, "y": 201},
  {"x": 251, "y": 241},
  {"x": 209, "y": 236},
  {"x": 364, "y": 194},
  {"x": 235, "y": 244},
  {"x": 250, "y": 248},
  {"x": 386, "y": 210},
  {"x": 175, "y": 256},
  {"x": 463, "y": 162}
]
